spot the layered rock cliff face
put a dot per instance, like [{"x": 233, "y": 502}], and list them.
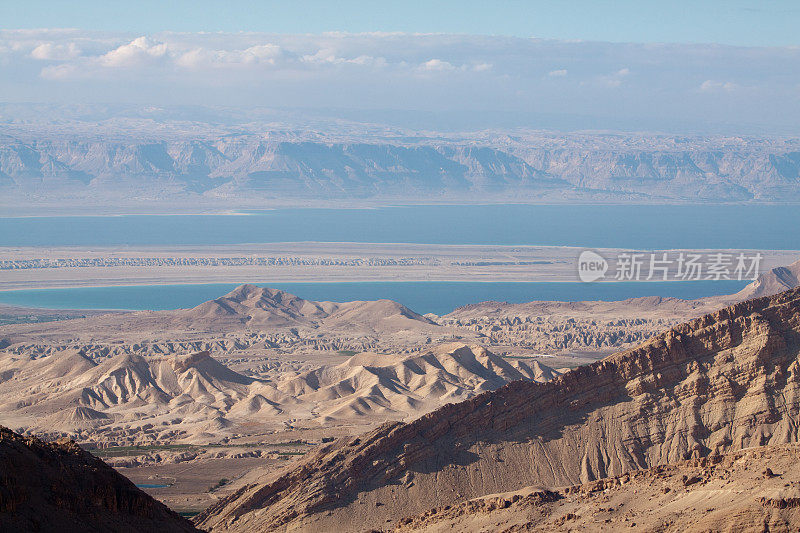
[
  {"x": 720, "y": 383},
  {"x": 748, "y": 490},
  {"x": 317, "y": 166},
  {"x": 59, "y": 487}
]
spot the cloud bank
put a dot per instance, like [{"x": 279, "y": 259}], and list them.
[{"x": 420, "y": 72}]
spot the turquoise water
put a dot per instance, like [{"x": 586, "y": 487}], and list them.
[
  {"x": 423, "y": 297},
  {"x": 151, "y": 486},
  {"x": 640, "y": 227},
  {"x": 637, "y": 227}
]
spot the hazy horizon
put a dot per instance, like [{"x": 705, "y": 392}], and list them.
[{"x": 639, "y": 86}]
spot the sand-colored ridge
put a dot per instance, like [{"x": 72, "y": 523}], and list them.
[
  {"x": 247, "y": 319},
  {"x": 265, "y": 307},
  {"x": 252, "y": 318},
  {"x": 178, "y": 397},
  {"x": 772, "y": 282}
]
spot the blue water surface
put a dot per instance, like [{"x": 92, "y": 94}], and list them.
[
  {"x": 605, "y": 226},
  {"x": 423, "y": 297}
]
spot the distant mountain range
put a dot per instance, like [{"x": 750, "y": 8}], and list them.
[{"x": 258, "y": 164}]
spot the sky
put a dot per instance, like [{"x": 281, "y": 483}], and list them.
[
  {"x": 736, "y": 22},
  {"x": 729, "y": 65}
]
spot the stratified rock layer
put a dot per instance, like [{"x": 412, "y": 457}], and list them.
[{"x": 749, "y": 490}]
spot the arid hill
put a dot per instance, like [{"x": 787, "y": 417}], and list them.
[
  {"x": 133, "y": 399},
  {"x": 257, "y": 307},
  {"x": 247, "y": 318},
  {"x": 772, "y": 282},
  {"x": 724, "y": 382},
  {"x": 59, "y": 487}
]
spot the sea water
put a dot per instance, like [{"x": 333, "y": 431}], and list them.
[{"x": 438, "y": 297}]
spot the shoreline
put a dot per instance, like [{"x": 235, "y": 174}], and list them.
[
  {"x": 262, "y": 283},
  {"x": 121, "y": 210}
]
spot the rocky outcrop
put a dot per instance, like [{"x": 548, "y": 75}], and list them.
[
  {"x": 59, "y": 487},
  {"x": 746, "y": 490},
  {"x": 772, "y": 282},
  {"x": 723, "y": 382}
]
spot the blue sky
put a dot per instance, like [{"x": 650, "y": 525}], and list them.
[
  {"x": 737, "y": 22},
  {"x": 667, "y": 65}
]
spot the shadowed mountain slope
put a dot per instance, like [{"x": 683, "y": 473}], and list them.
[
  {"x": 59, "y": 487},
  {"x": 249, "y": 168}
]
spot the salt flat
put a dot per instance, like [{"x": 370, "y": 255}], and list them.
[{"x": 60, "y": 267}]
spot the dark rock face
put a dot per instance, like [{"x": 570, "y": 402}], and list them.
[{"x": 60, "y": 487}]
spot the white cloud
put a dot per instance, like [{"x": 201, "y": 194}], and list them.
[
  {"x": 369, "y": 61},
  {"x": 714, "y": 86},
  {"x": 139, "y": 51},
  {"x": 393, "y": 70},
  {"x": 437, "y": 65},
  {"x": 614, "y": 80},
  {"x": 195, "y": 58},
  {"x": 328, "y": 56},
  {"x": 263, "y": 54},
  {"x": 56, "y": 52},
  {"x": 58, "y": 72}
]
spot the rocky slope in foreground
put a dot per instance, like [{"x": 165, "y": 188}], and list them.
[
  {"x": 59, "y": 487},
  {"x": 720, "y": 383},
  {"x": 747, "y": 490}
]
